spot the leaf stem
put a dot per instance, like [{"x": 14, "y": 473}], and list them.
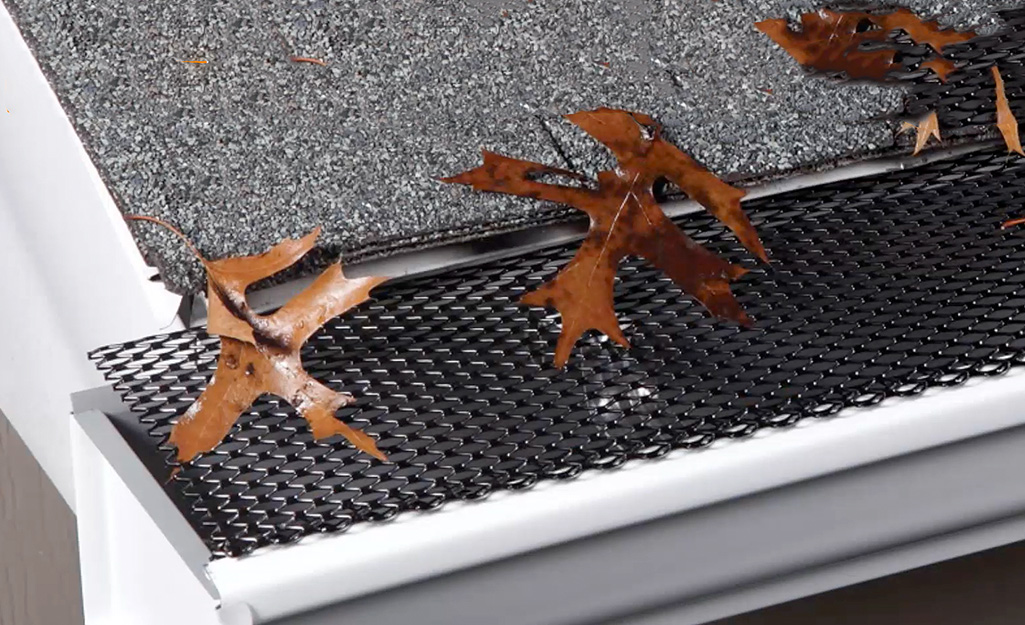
[
  {"x": 306, "y": 59},
  {"x": 164, "y": 224}
]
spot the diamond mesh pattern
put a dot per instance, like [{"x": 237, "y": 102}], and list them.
[
  {"x": 966, "y": 104},
  {"x": 879, "y": 287}
]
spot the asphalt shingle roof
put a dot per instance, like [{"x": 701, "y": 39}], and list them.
[{"x": 250, "y": 147}]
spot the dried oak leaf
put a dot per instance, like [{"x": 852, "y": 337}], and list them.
[
  {"x": 832, "y": 41},
  {"x": 1006, "y": 121},
  {"x": 260, "y": 353},
  {"x": 625, "y": 220}
]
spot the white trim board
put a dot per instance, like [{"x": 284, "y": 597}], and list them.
[{"x": 72, "y": 278}]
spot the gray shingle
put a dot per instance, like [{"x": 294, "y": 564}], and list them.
[{"x": 249, "y": 147}]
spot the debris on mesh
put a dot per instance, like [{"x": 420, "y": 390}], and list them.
[
  {"x": 926, "y": 129},
  {"x": 1006, "y": 121},
  {"x": 880, "y": 287},
  {"x": 858, "y": 43},
  {"x": 626, "y": 220},
  {"x": 260, "y": 353}
]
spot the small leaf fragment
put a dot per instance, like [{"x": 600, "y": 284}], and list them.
[
  {"x": 1006, "y": 121},
  {"x": 940, "y": 66},
  {"x": 625, "y": 220},
  {"x": 928, "y": 127}
]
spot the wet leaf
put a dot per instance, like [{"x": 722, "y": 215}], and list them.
[
  {"x": 625, "y": 220},
  {"x": 834, "y": 41},
  {"x": 1006, "y": 121},
  {"x": 260, "y": 353}
]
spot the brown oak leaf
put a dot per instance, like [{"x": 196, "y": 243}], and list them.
[
  {"x": 260, "y": 353},
  {"x": 625, "y": 220},
  {"x": 832, "y": 41}
]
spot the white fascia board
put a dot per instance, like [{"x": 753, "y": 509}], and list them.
[{"x": 71, "y": 279}]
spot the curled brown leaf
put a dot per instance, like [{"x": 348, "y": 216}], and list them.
[{"x": 260, "y": 353}]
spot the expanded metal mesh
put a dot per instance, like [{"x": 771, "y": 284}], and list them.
[
  {"x": 879, "y": 287},
  {"x": 966, "y": 103}
]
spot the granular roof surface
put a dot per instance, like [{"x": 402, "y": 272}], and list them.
[{"x": 248, "y": 147}]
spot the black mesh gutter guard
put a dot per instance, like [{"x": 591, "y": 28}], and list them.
[{"x": 879, "y": 287}]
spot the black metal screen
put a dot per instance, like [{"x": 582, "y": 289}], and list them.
[
  {"x": 966, "y": 103},
  {"x": 879, "y": 287}
]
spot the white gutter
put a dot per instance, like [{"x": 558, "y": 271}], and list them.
[{"x": 276, "y": 582}]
